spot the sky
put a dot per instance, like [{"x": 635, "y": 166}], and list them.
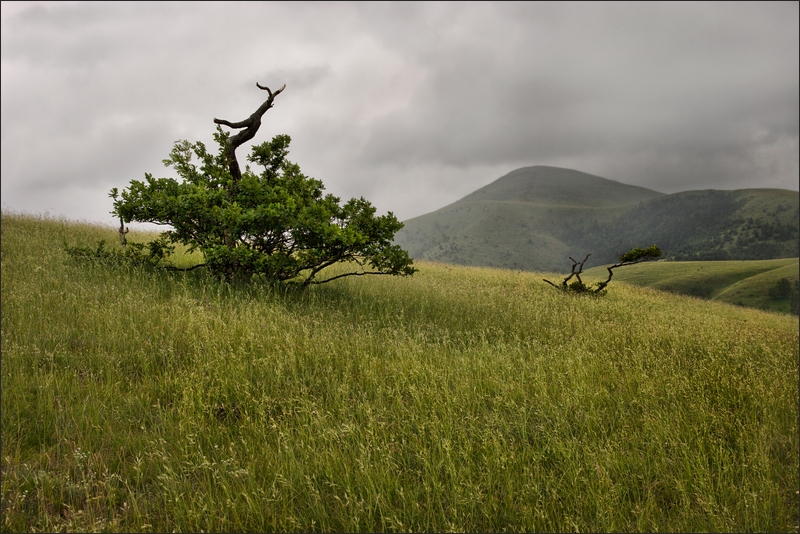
[{"x": 409, "y": 105}]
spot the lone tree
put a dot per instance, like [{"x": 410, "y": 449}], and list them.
[
  {"x": 276, "y": 223},
  {"x": 634, "y": 255}
]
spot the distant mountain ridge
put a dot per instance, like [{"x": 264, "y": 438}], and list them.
[
  {"x": 560, "y": 187},
  {"x": 534, "y": 218}
]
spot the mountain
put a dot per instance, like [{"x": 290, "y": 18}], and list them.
[
  {"x": 554, "y": 186},
  {"x": 534, "y": 218}
]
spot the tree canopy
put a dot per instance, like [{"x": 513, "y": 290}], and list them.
[{"x": 276, "y": 223}]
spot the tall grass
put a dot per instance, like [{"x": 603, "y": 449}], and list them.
[{"x": 460, "y": 399}]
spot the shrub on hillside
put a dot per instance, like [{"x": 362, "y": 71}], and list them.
[
  {"x": 276, "y": 223},
  {"x": 634, "y": 255}
]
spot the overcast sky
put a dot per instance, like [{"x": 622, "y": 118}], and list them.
[{"x": 410, "y": 105}]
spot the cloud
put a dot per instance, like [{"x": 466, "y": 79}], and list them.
[
  {"x": 411, "y": 105},
  {"x": 610, "y": 85}
]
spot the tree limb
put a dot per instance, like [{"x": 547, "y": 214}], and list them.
[
  {"x": 577, "y": 273},
  {"x": 632, "y": 257},
  {"x": 343, "y": 275},
  {"x": 251, "y": 126},
  {"x": 193, "y": 267},
  {"x": 122, "y": 231}
]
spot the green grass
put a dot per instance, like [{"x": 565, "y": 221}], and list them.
[
  {"x": 459, "y": 399},
  {"x": 745, "y": 283}
]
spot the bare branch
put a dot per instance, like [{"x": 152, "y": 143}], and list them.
[
  {"x": 633, "y": 256},
  {"x": 345, "y": 274},
  {"x": 193, "y": 267},
  {"x": 242, "y": 124},
  {"x": 265, "y": 88},
  {"x": 577, "y": 274},
  {"x": 251, "y": 126}
]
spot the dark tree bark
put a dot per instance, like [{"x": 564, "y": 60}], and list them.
[
  {"x": 251, "y": 126},
  {"x": 577, "y": 274},
  {"x": 122, "y": 231}
]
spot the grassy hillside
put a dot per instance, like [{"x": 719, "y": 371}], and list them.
[
  {"x": 745, "y": 283},
  {"x": 536, "y": 217},
  {"x": 460, "y": 399}
]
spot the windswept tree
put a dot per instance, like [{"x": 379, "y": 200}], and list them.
[
  {"x": 634, "y": 255},
  {"x": 276, "y": 223}
]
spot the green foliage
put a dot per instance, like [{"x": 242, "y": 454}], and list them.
[
  {"x": 794, "y": 303},
  {"x": 277, "y": 224},
  {"x": 781, "y": 290},
  {"x": 784, "y": 289},
  {"x": 636, "y": 255},
  {"x": 147, "y": 255},
  {"x": 578, "y": 287}
]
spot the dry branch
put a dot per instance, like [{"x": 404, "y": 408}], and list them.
[{"x": 251, "y": 126}]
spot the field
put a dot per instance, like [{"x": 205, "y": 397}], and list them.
[
  {"x": 744, "y": 283},
  {"x": 459, "y": 399}
]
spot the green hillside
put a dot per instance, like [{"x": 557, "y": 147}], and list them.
[
  {"x": 745, "y": 283},
  {"x": 460, "y": 399},
  {"x": 536, "y": 217}
]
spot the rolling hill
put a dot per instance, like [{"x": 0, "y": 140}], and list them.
[
  {"x": 534, "y": 218},
  {"x": 745, "y": 283}
]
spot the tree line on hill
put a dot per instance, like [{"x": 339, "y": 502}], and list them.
[
  {"x": 702, "y": 226},
  {"x": 784, "y": 289}
]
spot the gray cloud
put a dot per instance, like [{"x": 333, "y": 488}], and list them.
[{"x": 411, "y": 105}]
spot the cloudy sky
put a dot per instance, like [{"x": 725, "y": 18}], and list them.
[{"x": 410, "y": 105}]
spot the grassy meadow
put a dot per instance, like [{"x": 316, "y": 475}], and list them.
[{"x": 459, "y": 399}]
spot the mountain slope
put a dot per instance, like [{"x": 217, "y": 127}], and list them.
[
  {"x": 554, "y": 186},
  {"x": 746, "y": 224},
  {"x": 534, "y": 218}
]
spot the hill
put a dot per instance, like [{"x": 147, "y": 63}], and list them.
[
  {"x": 744, "y": 283},
  {"x": 554, "y": 186},
  {"x": 534, "y": 218},
  {"x": 464, "y": 399}
]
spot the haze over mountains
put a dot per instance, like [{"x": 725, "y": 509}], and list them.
[{"x": 534, "y": 218}]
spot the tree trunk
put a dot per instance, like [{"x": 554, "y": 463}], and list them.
[{"x": 251, "y": 126}]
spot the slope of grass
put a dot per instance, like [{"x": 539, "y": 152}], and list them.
[
  {"x": 754, "y": 291},
  {"x": 746, "y": 283},
  {"x": 460, "y": 399}
]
